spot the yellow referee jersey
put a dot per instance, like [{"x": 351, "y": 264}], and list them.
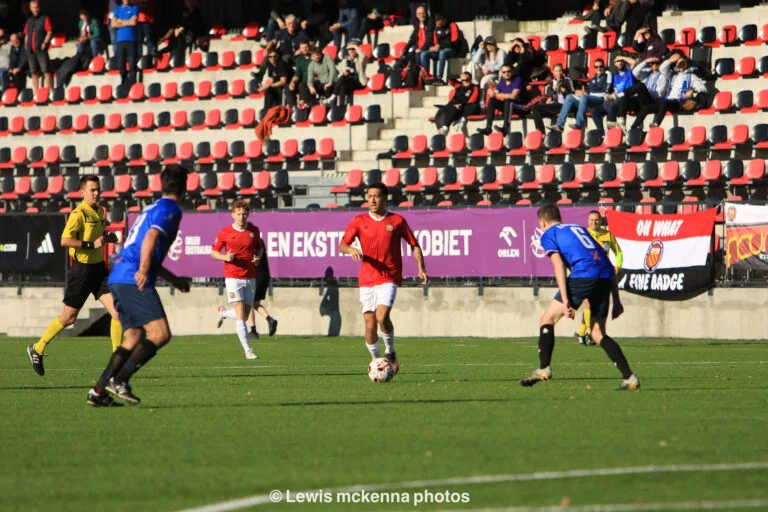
[
  {"x": 608, "y": 242},
  {"x": 87, "y": 225}
]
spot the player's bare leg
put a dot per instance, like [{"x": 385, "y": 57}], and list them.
[
  {"x": 629, "y": 382},
  {"x": 384, "y": 323},
  {"x": 115, "y": 329},
  {"x": 371, "y": 336},
  {"x": 36, "y": 351},
  {"x": 242, "y": 311},
  {"x": 553, "y": 314}
]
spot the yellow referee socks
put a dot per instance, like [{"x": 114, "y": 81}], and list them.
[
  {"x": 116, "y": 334},
  {"x": 53, "y": 330},
  {"x": 585, "y": 320}
]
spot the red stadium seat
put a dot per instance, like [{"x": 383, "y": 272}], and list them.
[
  {"x": 331, "y": 51},
  {"x": 354, "y": 114},
  {"x": 686, "y": 36},
  {"x": 42, "y": 95},
  {"x": 117, "y": 154},
  {"x": 17, "y": 125},
  {"x": 237, "y": 88},
  {"x": 203, "y": 89},
  {"x": 179, "y": 120},
  {"x": 136, "y": 92},
  {"x": 353, "y": 181},
  {"x": 227, "y": 60},
  {"x": 326, "y": 148},
  {"x": 727, "y": 35},
  {"x": 170, "y": 91},
  {"x": 220, "y": 150},
  {"x": 254, "y": 150},
  {"x": 105, "y": 94},
  {"x": 212, "y": 119},
  {"x": 248, "y": 117},
  {"x": 81, "y": 123},
  {"x": 376, "y": 84},
  {"x": 152, "y": 152},
  {"x": 10, "y": 96},
  {"x": 194, "y": 61},
  {"x": 114, "y": 122},
  {"x": 52, "y": 155},
  {"x": 73, "y": 94},
  {"x": 155, "y": 187},
  {"x": 251, "y": 31},
  {"x": 747, "y": 67},
  {"x": 97, "y": 65},
  {"x": 147, "y": 121}
]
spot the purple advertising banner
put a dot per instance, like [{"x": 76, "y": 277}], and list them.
[{"x": 472, "y": 242}]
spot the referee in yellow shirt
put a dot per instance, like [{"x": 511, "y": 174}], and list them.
[
  {"x": 608, "y": 242},
  {"x": 84, "y": 236}
]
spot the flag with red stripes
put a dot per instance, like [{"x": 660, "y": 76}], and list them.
[{"x": 665, "y": 256}]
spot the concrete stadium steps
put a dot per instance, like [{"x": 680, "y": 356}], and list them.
[{"x": 28, "y": 313}]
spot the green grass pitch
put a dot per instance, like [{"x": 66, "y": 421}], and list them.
[{"x": 214, "y": 427}]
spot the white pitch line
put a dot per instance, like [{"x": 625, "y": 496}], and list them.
[
  {"x": 251, "y": 367},
  {"x": 261, "y": 499},
  {"x": 634, "y": 507}
]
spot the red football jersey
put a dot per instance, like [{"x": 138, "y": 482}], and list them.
[
  {"x": 243, "y": 245},
  {"x": 380, "y": 242}
]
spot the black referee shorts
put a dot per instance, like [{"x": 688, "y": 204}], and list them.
[{"x": 83, "y": 280}]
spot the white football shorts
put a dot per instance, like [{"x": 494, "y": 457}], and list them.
[
  {"x": 381, "y": 294},
  {"x": 240, "y": 290}
]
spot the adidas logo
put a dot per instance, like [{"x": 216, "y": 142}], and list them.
[{"x": 46, "y": 246}]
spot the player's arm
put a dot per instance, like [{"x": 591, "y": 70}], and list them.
[
  {"x": 73, "y": 229},
  {"x": 418, "y": 255},
  {"x": 560, "y": 277},
  {"x": 181, "y": 283},
  {"x": 617, "y": 251},
  {"x": 216, "y": 251},
  {"x": 148, "y": 247},
  {"x": 345, "y": 246}
]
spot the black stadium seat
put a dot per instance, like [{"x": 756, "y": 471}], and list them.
[
  {"x": 64, "y": 122},
  {"x": 675, "y": 136},
  {"x": 197, "y": 118},
  {"x": 668, "y": 36},
  {"x": 155, "y": 90},
  {"x": 58, "y": 94},
  {"x": 526, "y": 173},
  {"x": 300, "y": 115},
  {"x": 551, "y": 43},
  {"x": 273, "y": 148},
  {"x": 744, "y": 99},
  {"x": 725, "y": 66},
  {"x": 690, "y": 170},
  {"x": 437, "y": 143},
  {"x": 307, "y": 147},
  {"x": 487, "y": 174},
  {"x": 476, "y": 142},
  {"x": 447, "y": 175},
  {"x": 89, "y": 93},
  {"x": 748, "y": 33},
  {"x": 140, "y": 181},
  {"x": 145, "y": 62},
  {"x": 565, "y": 173},
  {"x": 733, "y": 169},
  {"x": 33, "y": 123},
  {"x": 68, "y": 154},
  {"x": 593, "y": 139},
  {"x": 39, "y": 184},
  {"x": 211, "y": 59},
  {"x": 514, "y": 140},
  {"x": 253, "y": 86},
  {"x": 187, "y": 89},
  {"x": 244, "y": 179},
  {"x": 635, "y": 137},
  {"x": 97, "y": 121},
  {"x": 220, "y": 87},
  {"x": 168, "y": 150},
  {"x": 131, "y": 120},
  {"x": 759, "y": 133},
  {"x": 381, "y": 51},
  {"x": 26, "y": 96},
  {"x": 163, "y": 119},
  {"x": 707, "y": 35},
  {"x": 203, "y": 149},
  {"x": 236, "y": 148},
  {"x": 243, "y": 58},
  {"x": 606, "y": 172},
  {"x": 718, "y": 134},
  {"x": 372, "y": 114},
  {"x": 101, "y": 152},
  {"x": 553, "y": 139},
  {"x": 336, "y": 114},
  {"x": 133, "y": 152},
  {"x": 372, "y": 177},
  {"x": 410, "y": 176},
  {"x": 649, "y": 170},
  {"x": 230, "y": 117},
  {"x": 208, "y": 181}
]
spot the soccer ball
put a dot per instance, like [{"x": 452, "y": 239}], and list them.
[{"x": 379, "y": 370}]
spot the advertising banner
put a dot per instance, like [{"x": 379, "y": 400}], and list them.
[
  {"x": 31, "y": 244},
  {"x": 746, "y": 231},
  {"x": 474, "y": 242},
  {"x": 665, "y": 256}
]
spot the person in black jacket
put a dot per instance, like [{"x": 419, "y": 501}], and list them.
[
  {"x": 556, "y": 93},
  {"x": 465, "y": 102},
  {"x": 16, "y": 76},
  {"x": 322, "y": 13},
  {"x": 445, "y": 45},
  {"x": 421, "y": 37}
]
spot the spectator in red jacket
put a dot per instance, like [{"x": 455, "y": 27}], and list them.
[
  {"x": 38, "y": 32},
  {"x": 445, "y": 45},
  {"x": 421, "y": 37},
  {"x": 464, "y": 102}
]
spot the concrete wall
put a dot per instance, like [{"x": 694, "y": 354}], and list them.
[{"x": 501, "y": 312}]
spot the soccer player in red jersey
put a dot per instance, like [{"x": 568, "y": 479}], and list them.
[
  {"x": 381, "y": 271},
  {"x": 242, "y": 242}
]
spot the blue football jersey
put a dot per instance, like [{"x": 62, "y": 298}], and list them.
[
  {"x": 581, "y": 254},
  {"x": 163, "y": 215}
]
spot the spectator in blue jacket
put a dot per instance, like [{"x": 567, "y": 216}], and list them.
[
  {"x": 348, "y": 23},
  {"x": 623, "y": 80},
  {"x": 593, "y": 95},
  {"x": 124, "y": 19}
]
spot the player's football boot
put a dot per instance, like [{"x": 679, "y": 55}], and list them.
[
  {"x": 272, "y": 326},
  {"x": 630, "y": 384},
  {"x": 37, "y": 360},
  {"x": 254, "y": 333},
  {"x": 582, "y": 340},
  {"x": 393, "y": 362},
  {"x": 219, "y": 316},
  {"x": 251, "y": 355},
  {"x": 104, "y": 400},
  {"x": 536, "y": 377},
  {"x": 122, "y": 390},
  {"x": 590, "y": 341}
]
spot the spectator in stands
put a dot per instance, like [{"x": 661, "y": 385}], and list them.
[
  {"x": 348, "y": 24},
  {"x": 38, "y": 32},
  {"x": 111, "y": 5},
  {"x": 144, "y": 28},
  {"x": 421, "y": 37},
  {"x": 5, "y": 58},
  {"x": 17, "y": 65},
  {"x": 647, "y": 43},
  {"x": 623, "y": 80},
  {"x": 373, "y": 21},
  {"x": 683, "y": 87},
  {"x": 322, "y": 13},
  {"x": 486, "y": 63},
  {"x": 445, "y": 45},
  {"x": 592, "y": 96},
  {"x": 124, "y": 19},
  {"x": 321, "y": 74},
  {"x": 556, "y": 93},
  {"x": 615, "y": 15},
  {"x": 280, "y": 9},
  {"x": 298, "y": 84},
  {"x": 351, "y": 76},
  {"x": 289, "y": 40},
  {"x": 464, "y": 102},
  {"x": 651, "y": 85},
  {"x": 274, "y": 83},
  {"x": 637, "y": 16},
  {"x": 594, "y": 16},
  {"x": 516, "y": 49},
  {"x": 508, "y": 92},
  {"x": 183, "y": 35},
  {"x": 90, "y": 40},
  {"x": 530, "y": 63}
]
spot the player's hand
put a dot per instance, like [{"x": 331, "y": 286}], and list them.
[
  {"x": 256, "y": 259},
  {"x": 618, "y": 309},
  {"x": 99, "y": 242},
  {"x": 141, "y": 279},
  {"x": 182, "y": 284},
  {"x": 111, "y": 237},
  {"x": 356, "y": 254},
  {"x": 569, "y": 311},
  {"x": 424, "y": 277},
  {"x": 230, "y": 256}
]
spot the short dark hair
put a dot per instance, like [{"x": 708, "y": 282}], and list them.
[
  {"x": 380, "y": 187},
  {"x": 89, "y": 177},
  {"x": 84, "y": 11},
  {"x": 601, "y": 61},
  {"x": 173, "y": 179},
  {"x": 550, "y": 213},
  {"x": 595, "y": 212},
  {"x": 439, "y": 17}
]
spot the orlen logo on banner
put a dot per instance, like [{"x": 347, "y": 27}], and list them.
[
  {"x": 653, "y": 256},
  {"x": 508, "y": 234}
]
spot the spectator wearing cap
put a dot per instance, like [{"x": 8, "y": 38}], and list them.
[
  {"x": 623, "y": 79},
  {"x": 124, "y": 19},
  {"x": 650, "y": 85},
  {"x": 90, "y": 40},
  {"x": 486, "y": 63},
  {"x": 321, "y": 74},
  {"x": 445, "y": 45},
  {"x": 38, "y": 32},
  {"x": 277, "y": 75},
  {"x": 351, "y": 76},
  {"x": 347, "y": 25},
  {"x": 508, "y": 91},
  {"x": 464, "y": 102}
]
